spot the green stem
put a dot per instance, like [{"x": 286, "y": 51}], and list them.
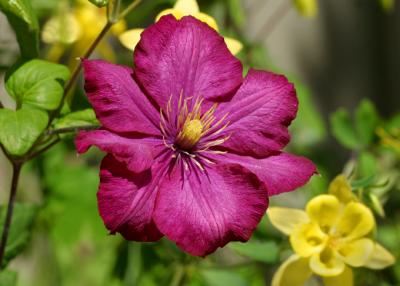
[
  {"x": 44, "y": 149},
  {"x": 129, "y": 9},
  {"x": 71, "y": 129},
  {"x": 88, "y": 53},
  {"x": 179, "y": 275},
  {"x": 6, "y": 228}
]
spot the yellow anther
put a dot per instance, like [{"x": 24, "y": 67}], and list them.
[{"x": 190, "y": 134}]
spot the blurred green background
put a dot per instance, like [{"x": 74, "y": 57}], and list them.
[{"x": 346, "y": 67}]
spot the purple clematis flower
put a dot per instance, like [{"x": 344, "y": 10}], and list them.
[{"x": 194, "y": 150}]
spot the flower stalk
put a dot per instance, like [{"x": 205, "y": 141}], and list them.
[
  {"x": 110, "y": 22},
  {"x": 7, "y": 223}
]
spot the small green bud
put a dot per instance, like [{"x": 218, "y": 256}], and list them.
[
  {"x": 307, "y": 8},
  {"x": 377, "y": 205},
  {"x": 387, "y": 5},
  {"x": 99, "y": 3}
]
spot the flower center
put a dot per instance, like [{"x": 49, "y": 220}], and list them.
[{"x": 190, "y": 134}]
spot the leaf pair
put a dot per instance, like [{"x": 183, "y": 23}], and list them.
[
  {"x": 36, "y": 87},
  {"x": 362, "y": 132}
]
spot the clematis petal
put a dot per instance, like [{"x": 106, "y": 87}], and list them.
[
  {"x": 380, "y": 258},
  {"x": 327, "y": 263},
  {"x": 341, "y": 188},
  {"x": 357, "y": 221},
  {"x": 187, "y": 57},
  {"x": 187, "y": 7},
  {"x": 343, "y": 279},
  {"x": 130, "y": 38},
  {"x": 126, "y": 201},
  {"x": 295, "y": 271},
  {"x": 308, "y": 239},
  {"x": 286, "y": 219},
  {"x": 288, "y": 172},
  {"x": 119, "y": 103},
  {"x": 324, "y": 210},
  {"x": 234, "y": 46},
  {"x": 137, "y": 154},
  {"x": 259, "y": 114},
  {"x": 356, "y": 253},
  {"x": 202, "y": 211}
]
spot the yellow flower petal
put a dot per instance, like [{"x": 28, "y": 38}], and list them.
[
  {"x": 176, "y": 13},
  {"x": 234, "y": 46},
  {"x": 187, "y": 7},
  {"x": 285, "y": 219},
  {"x": 293, "y": 272},
  {"x": 63, "y": 29},
  {"x": 326, "y": 263},
  {"x": 344, "y": 279},
  {"x": 130, "y": 38},
  {"x": 91, "y": 19},
  {"x": 324, "y": 210},
  {"x": 356, "y": 253},
  {"x": 380, "y": 258},
  {"x": 118, "y": 28},
  {"x": 308, "y": 239},
  {"x": 341, "y": 189},
  {"x": 357, "y": 221},
  {"x": 307, "y": 8},
  {"x": 210, "y": 21}
]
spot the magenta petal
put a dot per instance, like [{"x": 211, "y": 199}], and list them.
[
  {"x": 280, "y": 173},
  {"x": 206, "y": 210},
  {"x": 185, "y": 56},
  {"x": 259, "y": 114},
  {"x": 117, "y": 100},
  {"x": 137, "y": 154},
  {"x": 126, "y": 202}
]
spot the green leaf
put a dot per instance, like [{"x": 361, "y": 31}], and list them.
[
  {"x": 20, "y": 129},
  {"x": 366, "y": 121},
  {"x": 25, "y": 24},
  {"x": 38, "y": 83},
  {"x": 99, "y": 3},
  {"x": 342, "y": 129},
  {"x": 216, "y": 277},
  {"x": 8, "y": 278},
  {"x": 363, "y": 183},
  {"x": 259, "y": 251},
  {"x": 367, "y": 164},
  {"x": 78, "y": 118},
  {"x": 22, "y": 220}
]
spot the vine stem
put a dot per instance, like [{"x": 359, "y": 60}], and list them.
[
  {"x": 71, "y": 129},
  {"x": 89, "y": 51},
  {"x": 178, "y": 276},
  {"x": 6, "y": 229}
]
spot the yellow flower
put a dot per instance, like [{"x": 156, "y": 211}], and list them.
[
  {"x": 329, "y": 237},
  {"x": 307, "y": 8},
  {"x": 79, "y": 26},
  {"x": 181, "y": 8}
]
